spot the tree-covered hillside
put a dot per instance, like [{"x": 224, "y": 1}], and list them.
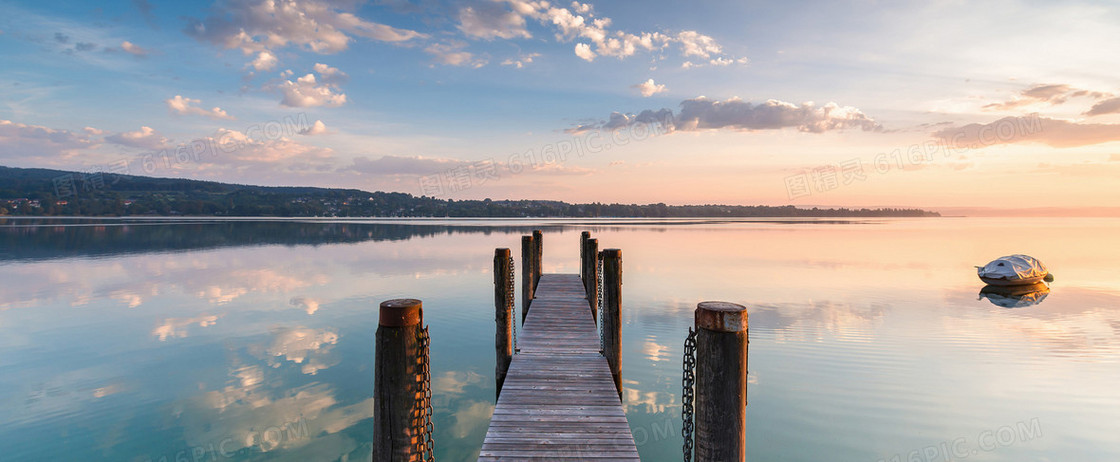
[{"x": 46, "y": 192}]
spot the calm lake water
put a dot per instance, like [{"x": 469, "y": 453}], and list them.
[{"x": 173, "y": 340}]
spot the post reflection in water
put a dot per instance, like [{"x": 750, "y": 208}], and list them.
[{"x": 138, "y": 339}]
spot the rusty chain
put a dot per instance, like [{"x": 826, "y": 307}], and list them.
[
  {"x": 599, "y": 295},
  {"x": 512, "y": 286},
  {"x": 687, "y": 381},
  {"x": 425, "y": 445}
]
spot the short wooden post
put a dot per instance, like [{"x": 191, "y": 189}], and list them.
[
  {"x": 538, "y": 242},
  {"x": 721, "y": 381},
  {"x": 527, "y": 272},
  {"x": 612, "y": 313},
  {"x": 583, "y": 237},
  {"x": 397, "y": 381},
  {"x": 503, "y": 300},
  {"x": 593, "y": 277}
]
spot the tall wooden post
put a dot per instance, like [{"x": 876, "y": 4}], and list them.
[
  {"x": 503, "y": 300},
  {"x": 721, "y": 381},
  {"x": 593, "y": 277},
  {"x": 397, "y": 381},
  {"x": 527, "y": 272},
  {"x": 612, "y": 313},
  {"x": 538, "y": 242},
  {"x": 583, "y": 237}
]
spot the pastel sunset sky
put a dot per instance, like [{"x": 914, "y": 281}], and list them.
[{"x": 1006, "y": 104}]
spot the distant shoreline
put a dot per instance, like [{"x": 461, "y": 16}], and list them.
[{"x": 54, "y": 193}]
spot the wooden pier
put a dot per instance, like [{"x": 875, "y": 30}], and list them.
[
  {"x": 559, "y": 399},
  {"x": 560, "y": 392}
]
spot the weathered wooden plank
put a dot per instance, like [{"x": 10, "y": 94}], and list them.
[{"x": 559, "y": 399}]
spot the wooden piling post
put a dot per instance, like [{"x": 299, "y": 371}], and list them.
[
  {"x": 538, "y": 242},
  {"x": 503, "y": 300},
  {"x": 612, "y": 313},
  {"x": 593, "y": 277},
  {"x": 527, "y": 272},
  {"x": 397, "y": 385},
  {"x": 583, "y": 237},
  {"x": 721, "y": 381}
]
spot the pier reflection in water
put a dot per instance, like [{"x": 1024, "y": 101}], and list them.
[{"x": 134, "y": 339}]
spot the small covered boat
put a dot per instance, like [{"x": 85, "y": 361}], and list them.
[{"x": 1014, "y": 270}]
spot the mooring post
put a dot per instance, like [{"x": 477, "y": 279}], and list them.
[
  {"x": 398, "y": 380},
  {"x": 612, "y": 313},
  {"x": 593, "y": 277},
  {"x": 503, "y": 316},
  {"x": 721, "y": 381},
  {"x": 538, "y": 243},
  {"x": 527, "y": 272},
  {"x": 583, "y": 237}
]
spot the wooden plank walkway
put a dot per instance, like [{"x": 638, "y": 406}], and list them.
[{"x": 559, "y": 400}]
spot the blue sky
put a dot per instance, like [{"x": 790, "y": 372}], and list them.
[{"x": 772, "y": 103}]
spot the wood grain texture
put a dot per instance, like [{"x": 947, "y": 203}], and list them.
[{"x": 559, "y": 400}]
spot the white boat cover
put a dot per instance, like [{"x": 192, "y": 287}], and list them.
[{"x": 1013, "y": 267}]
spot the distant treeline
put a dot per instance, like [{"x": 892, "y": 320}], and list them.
[{"x": 46, "y": 192}]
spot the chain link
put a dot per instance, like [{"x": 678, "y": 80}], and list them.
[
  {"x": 687, "y": 381},
  {"x": 426, "y": 447},
  {"x": 599, "y": 302},
  {"x": 510, "y": 301}
]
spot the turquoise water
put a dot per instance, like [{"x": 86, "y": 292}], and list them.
[{"x": 174, "y": 340}]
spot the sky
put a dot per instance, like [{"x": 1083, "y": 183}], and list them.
[{"x": 934, "y": 104}]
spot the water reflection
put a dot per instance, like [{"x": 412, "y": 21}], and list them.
[
  {"x": 1015, "y": 296},
  {"x": 140, "y": 339}
]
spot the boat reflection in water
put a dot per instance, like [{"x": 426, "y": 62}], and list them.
[{"x": 1015, "y": 296}]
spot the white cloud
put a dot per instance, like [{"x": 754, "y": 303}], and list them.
[
  {"x": 402, "y": 165},
  {"x": 1050, "y": 94},
  {"x": 580, "y": 23},
  {"x": 735, "y": 114},
  {"x": 317, "y": 128},
  {"x": 581, "y": 8},
  {"x": 306, "y": 91},
  {"x": 321, "y": 26},
  {"x": 259, "y": 155},
  {"x": 521, "y": 61},
  {"x": 264, "y": 61},
  {"x": 452, "y": 54},
  {"x": 133, "y": 49},
  {"x": 583, "y": 50},
  {"x": 1056, "y": 133},
  {"x": 1108, "y": 106},
  {"x": 490, "y": 20},
  {"x": 330, "y": 75},
  {"x": 186, "y": 106},
  {"x": 649, "y": 88},
  {"x": 144, "y": 138},
  {"x": 23, "y": 142},
  {"x": 696, "y": 44}
]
